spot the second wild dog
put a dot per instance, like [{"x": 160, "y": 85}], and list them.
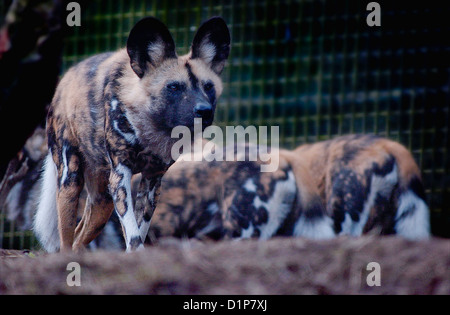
[{"x": 349, "y": 185}]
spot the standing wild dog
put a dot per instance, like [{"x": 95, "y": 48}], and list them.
[{"x": 111, "y": 117}]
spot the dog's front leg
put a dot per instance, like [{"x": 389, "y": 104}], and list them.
[
  {"x": 146, "y": 203},
  {"x": 120, "y": 188}
]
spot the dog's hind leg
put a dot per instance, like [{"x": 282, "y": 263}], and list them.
[
  {"x": 99, "y": 206},
  {"x": 70, "y": 185}
]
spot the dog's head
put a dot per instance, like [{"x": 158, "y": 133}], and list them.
[{"x": 177, "y": 89}]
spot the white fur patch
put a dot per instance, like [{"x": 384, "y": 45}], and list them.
[
  {"x": 249, "y": 185},
  {"x": 12, "y": 202},
  {"x": 156, "y": 51},
  {"x": 212, "y": 208},
  {"x": 128, "y": 136},
  {"x": 65, "y": 166},
  {"x": 346, "y": 225},
  {"x": 413, "y": 218},
  {"x": 379, "y": 185},
  {"x": 114, "y": 104},
  {"x": 317, "y": 228},
  {"x": 143, "y": 230},
  {"x": 128, "y": 220},
  {"x": 278, "y": 206},
  {"x": 207, "y": 51},
  {"x": 151, "y": 193},
  {"x": 46, "y": 219},
  {"x": 248, "y": 232}
]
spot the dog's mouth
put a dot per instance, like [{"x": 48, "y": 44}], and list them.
[{"x": 204, "y": 123}]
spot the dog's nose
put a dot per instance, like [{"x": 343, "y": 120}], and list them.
[{"x": 203, "y": 110}]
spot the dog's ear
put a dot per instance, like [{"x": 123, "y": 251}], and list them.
[
  {"x": 212, "y": 44},
  {"x": 149, "y": 42}
]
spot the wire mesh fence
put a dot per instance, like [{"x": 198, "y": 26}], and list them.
[{"x": 314, "y": 68}]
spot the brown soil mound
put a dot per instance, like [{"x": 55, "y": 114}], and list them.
[{"x": 276, "y": 266}]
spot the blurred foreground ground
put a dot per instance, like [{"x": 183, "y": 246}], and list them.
[{"x": 276, "y": 266}]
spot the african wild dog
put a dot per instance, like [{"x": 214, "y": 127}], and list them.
[
  {"x": 365, "y": 183},
  {"x": 111, "y": 117}
]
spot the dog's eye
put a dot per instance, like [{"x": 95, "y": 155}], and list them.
[
  {"x": 174, "y": 86},
  {"x": 208, "y": 86}
]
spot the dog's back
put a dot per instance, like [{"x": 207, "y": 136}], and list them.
[
  {"x": 368, "y": 182},
  {"x": 234, "y": 199}
]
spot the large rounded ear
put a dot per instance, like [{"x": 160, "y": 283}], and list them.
[
  {"x": 149, "y": 42},
  {"x": 212, "y": 43}
]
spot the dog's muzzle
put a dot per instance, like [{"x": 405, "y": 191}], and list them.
[{"x": 205, "y": 112}]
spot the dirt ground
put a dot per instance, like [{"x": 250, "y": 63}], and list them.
[{"x": 277, "y": 266}]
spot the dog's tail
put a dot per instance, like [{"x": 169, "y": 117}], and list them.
[
  {"x": 46, "y": 219},
  {"x": 412, "y": 219}
]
